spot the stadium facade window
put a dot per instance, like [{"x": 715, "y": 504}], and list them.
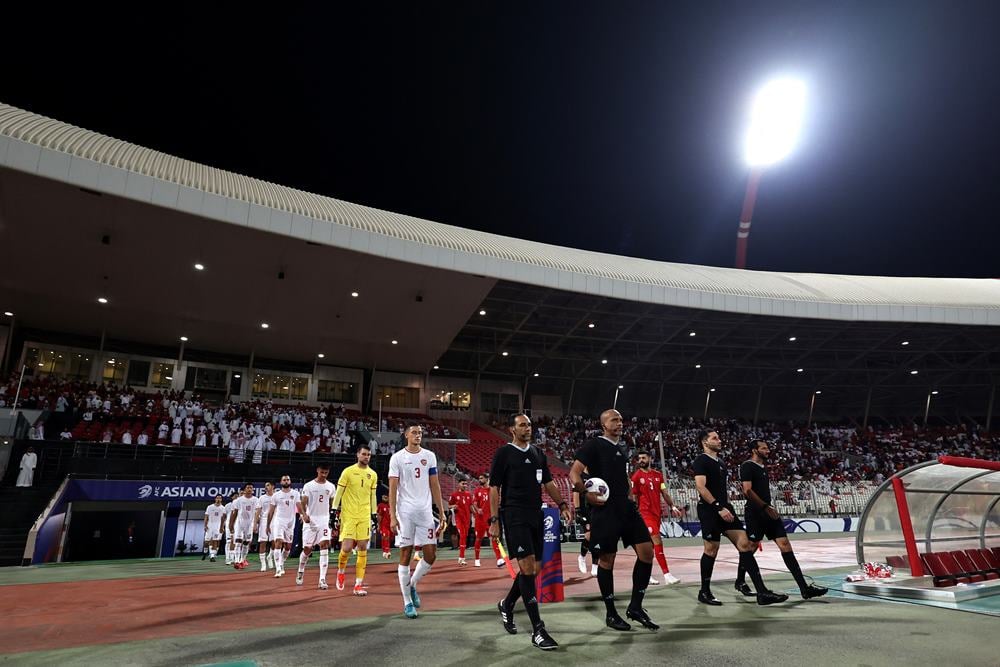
[
  {"x": 336, "y": 392},
  {"x": 444, "y": 400},
  {"x": 60, "y": 363},
  {"x": 114, "y": 371},
  {"x": 261, "y": 386},
  {"x": 298, "y": 388},
  {"x": 398, "y": 397},
  {"x": 138, "y": 373},
  {"x": 162, "y": 375},
  {"x": 280, "y": 387},
  {"x": 212, "y": 379}
]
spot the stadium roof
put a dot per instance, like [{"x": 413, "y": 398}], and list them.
[{"x": 55, "y": 150}]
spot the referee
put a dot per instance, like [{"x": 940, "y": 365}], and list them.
[
  {"x": 517, "y": 475},
  {"x": 606, "y": 457}
]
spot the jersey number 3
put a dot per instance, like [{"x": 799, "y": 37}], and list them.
[{"x": 416, "y": 473}]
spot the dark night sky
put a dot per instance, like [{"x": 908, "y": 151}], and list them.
[{"x": 608, "y": 126}]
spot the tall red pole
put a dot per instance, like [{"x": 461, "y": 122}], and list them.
[
  {"x": 916, "y": 567},
  {"x": 743, "y": 233}
]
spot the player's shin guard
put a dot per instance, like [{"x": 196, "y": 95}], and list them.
[
  {"x": 584, "y": 546},
  {"x": 750, "y": 563},
  {"x": 606, "y": 583},
  {"x": 640, "y": 579},
  {"x": 793, "y": 566},
  {"x": 513, "y": 595},
  {"x": 324, "y": 563},
  {"x": 342, "y": 560},
  {"x": 360, "y": 565},
  {"x": 276, "y": 555},
  {"x": 462, "y": 539},
  {"x": 707, "y": 565},
  {"x": 403, "y": 572},
  {"x": 303, "y": 559},
  {"x": 496, "y": 549},
  {"x": 741, "y": 574},
  {"x": 423, "y": 567},
  {"x": 479, "y": 545},
  {"x": 527, "y": 585},
  {"x": 661, "y": 559}
]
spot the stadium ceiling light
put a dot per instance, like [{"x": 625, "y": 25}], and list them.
[
  {"x": 184, "y": 339},
  {"x": 436, "y": 367},
  {"x": 914, "y": 372},
  {"x": 8, "y": 313},
  {"x": 935, "y": 392},
  {"x": 697, "y": 365},
  {"x": 621, "y": 386},
  {"x": 265, "y": 325},
  {"x": 818, "y": 391},
  {"x": 354, "y": 294},
  {"x": 237, "y": 376},
  {"x": 693, "y": 334},
  {"x": 169, "y": 378},
  {"x": 101, "y": 299},
  {"x": 395, "y": 342},
  {"x": 199, "y": 267},
  {"x": 40, "y": 363},
  {"x": 482, "y": 312},
  {"x": 591, "y": 325},
  {"x": 905, "y": 342},
  {"x": 799, "y": 370},
  {"x": 505, "y": 353},
  {"x": 775, "y": 121},
  {"x": 321, "y": 355},
  {"x": 536, "y": 374},
  {"x": 604, "y": 361},
  {"x": 712, "y": 389},
  {"x": 792, "y": 339}
]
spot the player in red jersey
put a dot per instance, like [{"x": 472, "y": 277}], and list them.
[
  {"x": 481, "y": 511},
  {"x": 384, "y": 527},
  {"x": 648, "y": 487},
  {"x": 460, "y": 503}
]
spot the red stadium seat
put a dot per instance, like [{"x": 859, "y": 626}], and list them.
[
  {"x": 932, "y": 563},
  {"x": 981, "y": 564},
  {"x": 991, "y": 558},
  {"x": 955, "y": 567}
]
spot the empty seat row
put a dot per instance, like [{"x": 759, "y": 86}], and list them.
[{"x": 962, "y": 567}]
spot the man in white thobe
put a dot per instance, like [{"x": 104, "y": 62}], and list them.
[{"x": 28, "y": 462}]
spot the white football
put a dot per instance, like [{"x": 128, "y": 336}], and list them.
[{"x": 598, "y": 486}]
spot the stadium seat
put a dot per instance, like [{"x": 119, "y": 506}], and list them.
[
  {"x": 954, "y": 567},
  {"x": 991, "y": 558},
  {"x": 932, "y": 563},
  {"x": 896, "y": 561},
  {"x": 982, "y": 565}
]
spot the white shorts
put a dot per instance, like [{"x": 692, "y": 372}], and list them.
[
  {"x": 243, "y": 532},
  {"x": 416, "y": 529},
  {"x": 315, "y": 532},
  {"x": 263, "y": 535},
  {"x": 213, "y": 536},
  {"x": 283, "y": 530}
]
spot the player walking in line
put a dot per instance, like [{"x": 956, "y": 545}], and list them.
[
  {"x": 355, "y": 500},
  {"x": 762, "y": 520},
  {"x": 460, "y": 503},
  {"x": 241, "y": 524},
  {"x": 260, "y": 521},
  {"x": 413, "y": 483},
  {"x": 281, "y": 523},
  {"x": 385, "y": 527},
  {"x": 481, "y": 513},
  {"x": 517, "y": 475},
  {"x": 648, "y": 486},
  {"x": 614, "y": 519},
  {"x": 718, "y": 518},
  {"x": 230, "y": 543},
  {"x": 215, "y": 517},
  {"x": 314, "y": 505}
]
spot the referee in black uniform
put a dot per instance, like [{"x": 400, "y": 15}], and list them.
[
  {"x": 764, "y": 521},
  {"x": 606, "y": 457},
  {"x": 718, "y": 518},
  {"x": 517, "y": 475}
]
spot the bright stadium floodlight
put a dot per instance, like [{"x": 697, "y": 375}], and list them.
[{"x": 775, "y": 123}]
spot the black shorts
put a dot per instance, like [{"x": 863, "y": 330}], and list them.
[
  {"x": 712, "y": 525},
  {"x": 610, "y": 523},
  {"x": 522, "y": 533},
  {"x": 760, "y": 525}
]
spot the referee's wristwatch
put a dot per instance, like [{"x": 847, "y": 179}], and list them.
[{"x": 494, "y": 519}]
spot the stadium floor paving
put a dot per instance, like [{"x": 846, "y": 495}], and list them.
[{"x": 188, "y": 612}]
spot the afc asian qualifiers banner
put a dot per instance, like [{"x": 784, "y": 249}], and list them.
[{"x": 550, "y": 577}]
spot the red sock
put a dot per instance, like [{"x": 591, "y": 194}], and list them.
[
  {"x": 660, "y": 558},
  {"x": 479, "y": 544},
  {"x": 461, "y": 545},
  {"x": 496, "y": 549}
]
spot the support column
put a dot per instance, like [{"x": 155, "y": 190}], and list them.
[
  {"x": 569, "y": 403},
  {"x": 868, "y": 407},
  {"x": 659, "y": 400},
  {"x": 756, "y": 410},
  {"x": 989, "y": 407}
]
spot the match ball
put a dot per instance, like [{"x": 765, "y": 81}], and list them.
[{"x": 598, "y": 486}]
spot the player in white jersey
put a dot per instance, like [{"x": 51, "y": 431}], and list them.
[
  {"x": 230, "y": 544},
  {"x": 215, "y": 517},
  {"x": 314, "y": 505},
  {"x": 241, "y": 524},
  {"x": 413, "y": 484},
  {"x": 260, "y": 521},
  {"x": 281, "y": 523}
]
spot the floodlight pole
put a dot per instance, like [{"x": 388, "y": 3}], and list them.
[
  {"x": 614, "y": 406},
  {"x": 743, "y": 233}
]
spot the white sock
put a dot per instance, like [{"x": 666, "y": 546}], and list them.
[
  {"x": 404, "y": 582},
  {"x": 276, "y": 555},
  {"x": 324, "y": 563},
  {"x": 422, "y": 568},
  {"x": 303, "y": 559},
  {"x": 284, "y": 557},
  {"x": 211, "y": 552}
]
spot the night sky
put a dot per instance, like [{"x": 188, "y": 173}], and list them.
[{"x": 612, "y": 126}]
